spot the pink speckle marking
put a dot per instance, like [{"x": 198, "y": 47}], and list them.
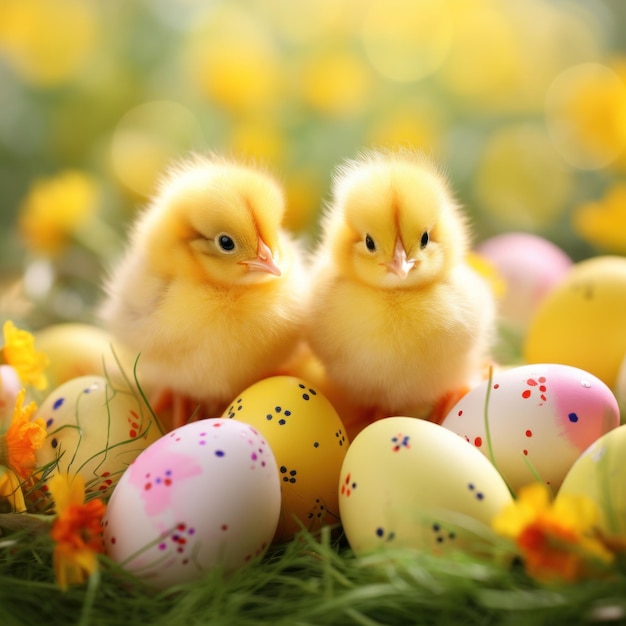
[
  {"x": 154, "y": 486},
  {"x": 478, "y": 442},
  {"x": 529, "y": 433},
  {"x": 526, "y": 394}
]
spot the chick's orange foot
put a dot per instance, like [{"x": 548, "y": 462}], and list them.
[{"x": 175, "y": 409}]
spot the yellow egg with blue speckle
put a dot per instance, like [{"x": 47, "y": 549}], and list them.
[
  {"x": 95, "y": 428},
  {"x": 309, "y": 442}
]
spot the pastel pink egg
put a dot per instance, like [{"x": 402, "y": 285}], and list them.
[
  {"x": 539, "y": 419},
  {"x": 530, "y": 267},
  {"x": 205, "y": 495}
]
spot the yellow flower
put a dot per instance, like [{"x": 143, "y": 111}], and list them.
[
  {"x": 557, "y": 541},
  {"x": 22, "y": 438},
  {"x": 19, "y": 352},
  {"x": 10, "y": 492},
  {"x": 483, "y": 266},
  {"x": 77, "y": 530},
  {"x": 586, "y": 115},
  {"x": 55, "y": 209},
  {"x": 48, "y": 42},
  {"x": 601, "y": 222},
  {"x": 233, "y": 60},
  {"x": 336, "y": 82}
]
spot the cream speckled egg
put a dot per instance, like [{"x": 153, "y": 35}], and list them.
[
  {"x": 540, "y": 419},
  {"x": 600, "y": 474},
  {"x": 205, "y": 495},
  {"x": 407, "y": 482},
  {"x": 309, "y": 442},
  {"x": 95, "y": 429}
]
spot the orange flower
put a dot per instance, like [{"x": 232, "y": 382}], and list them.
[
  {"x": 557, "y": 540},
  {"x": 77, "y": 530},
  {"x": 19, "y": 352},
  {"x": 22, "y": 438}
]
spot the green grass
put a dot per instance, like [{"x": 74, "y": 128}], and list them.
[{"x": 312, "y": 580}]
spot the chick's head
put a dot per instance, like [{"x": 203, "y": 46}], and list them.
[
  {"x": 393, "y": 222},
  {"x": 216, "y": 221}
]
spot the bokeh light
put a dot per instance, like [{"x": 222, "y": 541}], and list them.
[
  {"x": 521, "y": 181},
  {"x": 148, "y": 139},
  {"x": 406, "y": 40}
]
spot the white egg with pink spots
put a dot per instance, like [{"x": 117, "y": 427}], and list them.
[
  {"x": 205, "y": 495},
  {"x": 539, "y": 419}
]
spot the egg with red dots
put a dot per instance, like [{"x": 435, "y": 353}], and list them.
[
  {"x": 206, "y": 495},
  {"x": 409, "y": 483},
  {"x": 534, "y": 421},
  {"x": 309, "y": 442},
  {"x": 95, "y": 428}
]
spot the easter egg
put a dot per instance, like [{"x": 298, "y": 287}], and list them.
[
  {"x": 10, "y": 386},
  {"x": 205, "y": 495},
  {"x": 600, "y": 475},
  {"x": 309, "y": 442},
  {"x": 620, "y": 387},
  {"x": 406, "y": 482},
  {"x": 582, "y": 321},
  {"x": 76, "y": 350},
  {"x": 540, "y": 418},
  {"x": 95, "y": 429},
  {"x": 530, "y": 267}
]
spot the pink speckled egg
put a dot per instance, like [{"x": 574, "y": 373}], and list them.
[
  {"x": 10, "y": 386},
  {"x": 539, "y": 420},
  {"x": 205, "y": 495},
  {"x": 530, "y": 267}
]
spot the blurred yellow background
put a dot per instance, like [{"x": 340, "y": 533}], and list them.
[{"x": 522, "y": 103}]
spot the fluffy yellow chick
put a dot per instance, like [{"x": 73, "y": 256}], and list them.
[
  {"x": 210, "y": 289},
  {"x": 399, "y": 320}
]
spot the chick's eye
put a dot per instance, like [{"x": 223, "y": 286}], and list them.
[
  {"x": 369, "y": 243},
  {"x": 424, "y": 240},
  {"x": 226, "y": 243}
]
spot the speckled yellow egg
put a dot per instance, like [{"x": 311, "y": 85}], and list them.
[
  {"x": 309, "y": 443},
  {"x": 95, "y": 429},
  {"x": 581, "y": 322},
  {"x": 79, "y": 350},
  {"x": 600, "y": 474},
  {"x": 407, "y": 482}
]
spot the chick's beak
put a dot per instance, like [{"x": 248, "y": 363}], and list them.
[
  {"x": 264, "y": 261},
  {"x": 400, "y": 265}
]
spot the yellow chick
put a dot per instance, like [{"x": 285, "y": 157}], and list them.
[
  {"x": 400, "y": 321},
  {"x": 209, "y": 292}
]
